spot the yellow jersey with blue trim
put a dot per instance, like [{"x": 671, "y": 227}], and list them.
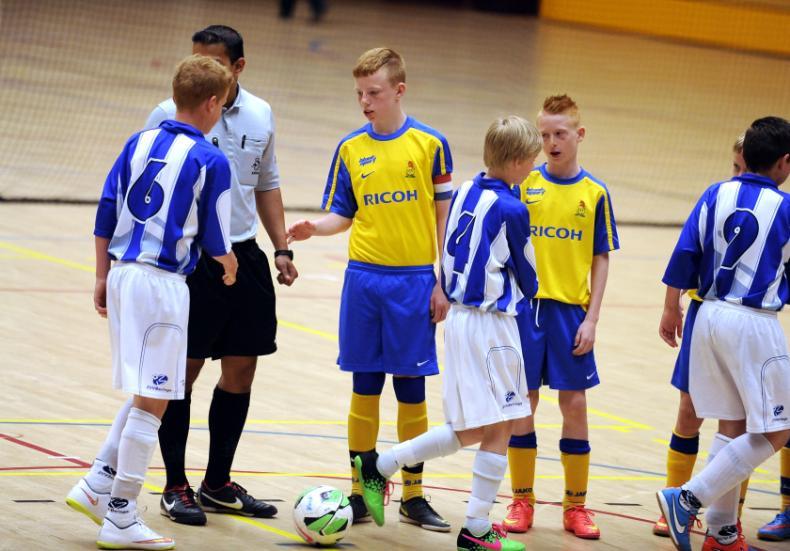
[
  {"x": 388, "y": 184},
  {"x": 571, "y": 220}
]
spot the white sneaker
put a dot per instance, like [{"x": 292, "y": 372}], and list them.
[
  {"x": 135, "y": 536},
  {"x": 89, "y": 502}
]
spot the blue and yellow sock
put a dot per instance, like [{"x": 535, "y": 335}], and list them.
[
  {"x": 522, "y": 453},
  {"x": 412, "y": 422},
  {"x": 575, "y": 456},
  {"x": 681, "y": 457}
]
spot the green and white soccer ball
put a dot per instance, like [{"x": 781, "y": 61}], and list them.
[{"x": 323, "y": 515}]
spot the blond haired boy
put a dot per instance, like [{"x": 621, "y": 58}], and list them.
[
  {"x": 165, "y": 199},
  {"x": 390, "y": 182},
  {"x": 488, "y": 272},
  {"x": 573, "y": 230}
]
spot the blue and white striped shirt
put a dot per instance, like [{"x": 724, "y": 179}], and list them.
[
  {"x": 735, "y": 246},
  {"x": 488, "y": 261},
  {"x": 167, "y": 193}
]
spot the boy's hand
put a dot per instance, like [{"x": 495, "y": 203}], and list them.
[
  {"x": 100, "y": 297},
  {"x": 585, "y": 338},
  {"x": 439, "y": 304},
  {"x": 301, "y": 230},
  {"x": 671, "y": 324},
  {"x": 230, "y": 264},
  {"x": 287, "y": 271}
]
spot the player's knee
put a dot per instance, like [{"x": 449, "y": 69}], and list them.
[
  {"x": 778, "y": 439},
  {"x": 732, "y": 429},
  {"x": 573, "y": 403},
  {"x": 193, "y": 370},
  {"x": 154, "y": 406}
]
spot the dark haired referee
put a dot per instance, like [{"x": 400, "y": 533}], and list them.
[{"x": 238, "y": 323}]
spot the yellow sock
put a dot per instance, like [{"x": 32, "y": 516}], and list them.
[
  {"x": 412, "y": 421},
  {"x": 577, "y": 473},
  {"x": 522, "y": 472},
  {"x": 363, "y": 430},
  {"x": 784, "y": 473},
  {"x": 681, "y": 457},
  {"x": 744, "y": 487}
]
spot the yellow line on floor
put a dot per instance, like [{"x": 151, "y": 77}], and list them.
[
  {"x": 36, "y": 255},
  {"x": 592, "y": 411},
  {"x": 245, "y": 520}
]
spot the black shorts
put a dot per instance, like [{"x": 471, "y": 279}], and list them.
[{"x": 239, "y": 320}]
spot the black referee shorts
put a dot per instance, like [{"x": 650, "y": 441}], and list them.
[{"x": 239, "y": 320}]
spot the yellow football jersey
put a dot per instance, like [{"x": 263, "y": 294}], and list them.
[
  {"x": 388, "y": 184},
  {"x": 571, "y": 220}
]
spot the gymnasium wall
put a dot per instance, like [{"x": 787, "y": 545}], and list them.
[{"x": 753, "y": 25}]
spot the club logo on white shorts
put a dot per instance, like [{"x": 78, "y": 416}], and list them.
[
  {"x": 778, "y": 411},
  {"x": 509, "y": 397},
  {"x": 158, "y": 382}
]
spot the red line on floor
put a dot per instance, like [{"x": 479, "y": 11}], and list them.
[{"x": 54, "y": 454}]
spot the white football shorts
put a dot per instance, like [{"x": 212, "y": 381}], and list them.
[
  {"x": 148, "y": 311},
  {"x": 484, "y": 378},
  {"x": 739, "y": 367}
]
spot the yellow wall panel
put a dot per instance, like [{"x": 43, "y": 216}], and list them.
[{"x": 745, "y": 25}]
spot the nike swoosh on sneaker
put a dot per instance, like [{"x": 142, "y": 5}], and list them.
[
  {"x": 94, "y": 501},
  {"x": 495, "y": 546},
  {"x": 235, "y": 505},
  {"x": 680, "y": 528},
  {"x": 168, "y": 506}
]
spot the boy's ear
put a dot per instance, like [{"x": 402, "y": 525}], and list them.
[
  {"x": 581, "y": 131},
  {"x": 400, "y": 89}
]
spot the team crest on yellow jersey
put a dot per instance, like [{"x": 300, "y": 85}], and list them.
[
  {"x": 581, "y": 210},
  {"x": 410, "y": 170}
]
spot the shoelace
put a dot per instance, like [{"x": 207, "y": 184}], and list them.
[
  {"x": 499, "y": 530},
  {"x": 187, "y": 496},
  {"x": 388, "y": 489},
  {"x": 518, "y": 504},
  {"x": 237, "y": 487},
  {"x": 584, "y": 513}
]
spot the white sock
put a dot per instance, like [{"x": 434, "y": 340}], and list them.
[
  {"x": 102, "y": 471},
  {"x": 724, "y": 510},
  {"x": 138, "y": 441},
  {"x": 731, "y": 466},
  {"x": 438, "y": 442},
  {"x": 488, "y": 470}
]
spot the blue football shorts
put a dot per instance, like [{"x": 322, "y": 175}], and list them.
[
  {"x": 548, "y": 331},
  {"x": 385, "y": 320},
  {"x": 680, "y": 376}
]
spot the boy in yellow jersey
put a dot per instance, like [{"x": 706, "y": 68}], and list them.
[
  {"x": 390, "y": 182},
  {"x": 573, "y": 229},
  {"x": 684, "y": 445}
]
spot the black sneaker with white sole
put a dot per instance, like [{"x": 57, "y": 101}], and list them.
[
  {"x": 418, "y": 511},
  {"x": 361, "y": 513},
  {"x": 232, "y": 499},
  {"x": 179, "y": 505}
]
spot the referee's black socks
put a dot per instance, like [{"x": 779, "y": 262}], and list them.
[{"x": 226, "y": 419}]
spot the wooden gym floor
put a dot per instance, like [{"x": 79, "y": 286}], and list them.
[{"x": 81, "y": 76}]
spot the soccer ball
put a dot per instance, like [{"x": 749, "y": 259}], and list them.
[{"x": 323, "y": 515}]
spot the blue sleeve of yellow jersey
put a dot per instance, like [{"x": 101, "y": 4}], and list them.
[
  {"x": 114, "y": 190},
  {"x": 684, "y": 265},
  {"x": 605, "y": 228},
  {"x": 339, "y": 194},
  {"x": 522, "y": 255},
  {"x": 442, "y": 169}
]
